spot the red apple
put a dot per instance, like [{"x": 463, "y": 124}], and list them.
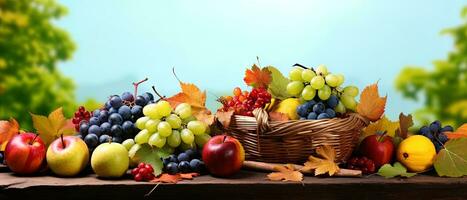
[
  {"x": 378, "y": 148},
  {"x": 25, "y": 153},
  {"x": 223, "y": 155}
]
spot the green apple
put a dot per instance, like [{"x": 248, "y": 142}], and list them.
[
  {"x": 110, "y": 160},
  {"x": 67, "y": 156}
]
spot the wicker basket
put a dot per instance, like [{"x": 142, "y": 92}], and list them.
[{"x": 293, "y": 141}]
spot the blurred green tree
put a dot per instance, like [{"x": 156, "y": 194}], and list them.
[
  {"x": 31, "y": 46},
  {"x": 443, "y": 89}
]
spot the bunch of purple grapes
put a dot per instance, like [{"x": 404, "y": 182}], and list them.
[{"x": 436, "y": 133}]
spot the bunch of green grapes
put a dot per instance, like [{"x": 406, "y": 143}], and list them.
[
  {"x": 320, "y": 84},
  {"x": 164, "y": 127}
]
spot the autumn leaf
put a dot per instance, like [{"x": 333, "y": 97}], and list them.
[
  {"x": 388, "y": 171},
  {"x": 381, "y": 126},
  {"x": 175, "y": 178},
  {"x": 224, "y": 117},
  {"x": 451, "y": 161},
  {"x": 371, "y": 104},
  {"x": 278, "y": 86},
  {"x": 51, "y": 127},
  {"x": 461, "y": 132},
  {"x": 278, "y": 116},
  {"x": 257, "y": 77},
  {"x": 325, "y": 163},
  {"x": 285, "y": 173},
  {"x": 8, "y": 129},
  {"x": 192, "y": 95},
  {"x": 405, "y": 122}
]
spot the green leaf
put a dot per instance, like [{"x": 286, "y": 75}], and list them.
[
  {"x": 147, "y": 154},
  {"x": 278, "y": 85},
  {"x": 452, "y": 160},
  {"x": 398, "y": 169}
]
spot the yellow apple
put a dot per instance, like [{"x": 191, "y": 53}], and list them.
[
  {"x": 110, "y": 160},
  {"x": 67, "y": 156}
]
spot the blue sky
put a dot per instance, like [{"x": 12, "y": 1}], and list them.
[{"x": 211, "y": 43}]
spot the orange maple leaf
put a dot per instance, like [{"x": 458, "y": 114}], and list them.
[
  {"x": 285, "y": 173},
  {"x": 371, "y": 104},
  {"x": 224, "y": 117},
  {"x": 175, "y": 178},
  {"x": 8, "y": 129},
  {"x": 257, "y": 77},
  {"x": 325, "y": 163},
  {"x": 459, "y": 133}
]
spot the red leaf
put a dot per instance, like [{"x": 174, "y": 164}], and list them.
[{"x": 257, "y": 77}]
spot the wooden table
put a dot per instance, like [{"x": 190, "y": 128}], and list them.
[{"x": 245, "y": 185}]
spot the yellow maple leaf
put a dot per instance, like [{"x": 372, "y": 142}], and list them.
[
  {"x": 323, "y": 164},
  {"x": 285, "y": 173},
  {"x": 51, "y": 127},
  {"x": 371, "y": 104},
  {"x": 381, "y": 126}
]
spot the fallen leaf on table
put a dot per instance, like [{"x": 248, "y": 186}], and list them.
[
  {"x": 225, "y": 117},
  {"x": 51, "y": 127},
  {"x": 278, "y": 116},
  {"x": 278, "y": 86},
  {"x": 257, "y": 77},
  {"x": 325, "y": 163},
  {"x": 381, "y": 126},
  {"x": 405, "y": 122},
  {"x": 192, "y": 95},
  {"x": 461, "y": 132},
  {"x": 371, "y": 104},
  {"x": 285, "y": 173},
  {"x": 388, "y": 171},
  {"x": 175, "y": 178},
  {"x": 8, "y": 129},
  {"x": 452, "y": 160}
]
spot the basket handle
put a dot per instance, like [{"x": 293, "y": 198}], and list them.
[{"x": 262, "y": 121}]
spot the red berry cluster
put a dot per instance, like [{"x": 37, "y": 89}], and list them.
[
  {"x": 80, "y": 115},
  {"x": 362, "y": 163},
  {"x": 144, "y": 172},
  {"x": 244, "y": 102}
]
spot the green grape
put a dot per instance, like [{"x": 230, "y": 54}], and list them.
[
  {"x": 349, "y": 102},
  {"x": 308, "y": 93},
  {"x": 295, "y": 87},
  {"x": 183, "y": 146},
  {"x": 307, "y": 75},
  {"x": 141, "y": 123},
  {"x": 174, "y": 121},
  {"x": 200, "y": 140},
  {"x": 340, "y": 108},
  {"x": 151, "y": 111},
  {"x": 189, "y": 119},
  {"x": 183, "y": 110},
  {"x": 341, "y": 79},
  {"x": 187, "y": 136},
  {"x": 174, "y": 139},
  {"x": 339, "y": 89},
  {"x": 142, "y": 137},
  {"x": 324, "y": 93},
  {"x": 322, "y": 70},
  {"x": 164, "y": 129},
  {"x": 197, "y": 127},
  {"x": 351, "y": 91},
  {"x": 296, "y": 74},
  {"x": 151, "y": 125},
  {"x": 128, "y": 143},
  {"x": 332, "y": 80},
  {"x": 208, "y": 130},
  {"x": 164, "y": 109},
  {"x": 157, "y": 140},
  {"x": 134, "y": 149},
  {"x": 317, "y": 82}
]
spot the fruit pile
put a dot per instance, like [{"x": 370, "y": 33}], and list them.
[
  {"x": 143, "y": 172},
  {"x": 244, "y": 102},
  {"x": 185, "y": 162},
  {"x": 162, "y": 126},
  {"x": 436, "y": 133},
  {"x": 321, "y": 91},
  {"x": 115, "y": 121}
]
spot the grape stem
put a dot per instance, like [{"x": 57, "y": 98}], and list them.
[
  {"x": 158, "y": 94},
  {"x": 299, "y": 65},
  {"x": 137, "y": 84},
  {"x": 173, "y": 72},
  {"x": 257, "y": 59}
]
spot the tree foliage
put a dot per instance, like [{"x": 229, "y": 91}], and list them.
[
  {"x": 31, "y": 46},
  {"x": 443, "y": 89}
]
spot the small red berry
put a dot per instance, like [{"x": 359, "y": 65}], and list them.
[{"x": 138, "y": 177}]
